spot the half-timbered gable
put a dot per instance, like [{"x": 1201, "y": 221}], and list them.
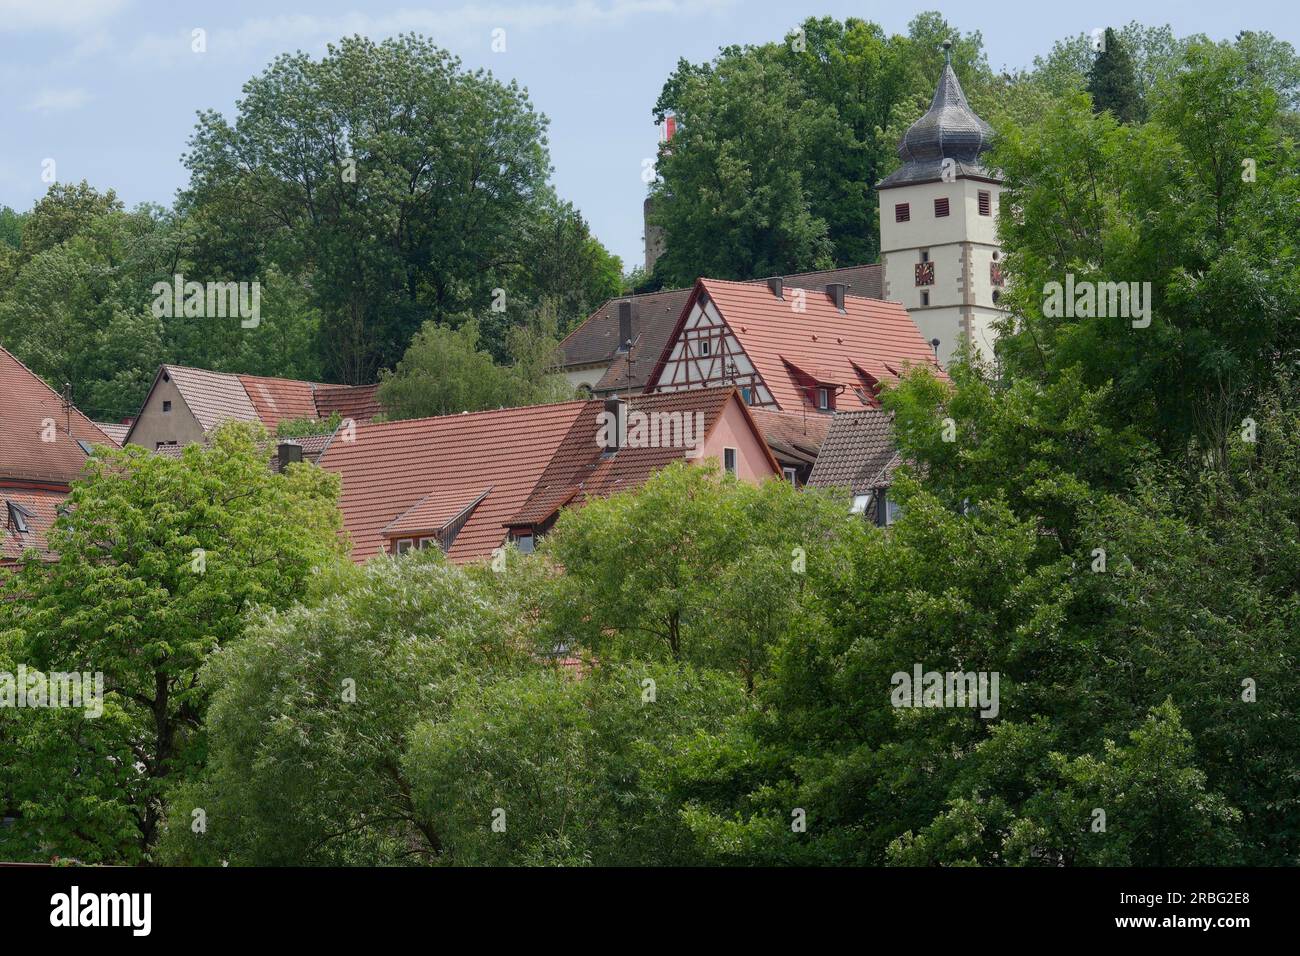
[{"x": 789, "y": 350}]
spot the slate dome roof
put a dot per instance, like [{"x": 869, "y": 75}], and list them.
[{"x": 949, "y": 130}]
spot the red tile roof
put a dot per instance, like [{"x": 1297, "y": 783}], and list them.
[
  {"x": 511, "y": 467},
  {"x": 832, "y": 347},
  {"x": 580, "y": 470},
  {"x": 39, "y": 511},
  {"x": 27, "y": 404},
  {"x": 115, "y": 431},
  {"x": 654, "y": 316},
  {"x": 792, "y": 436},
  {"x": 390, "y": 467},
  {"x": 859, "y": 452},
  {"x": 357, "y": 402},
  {"x": 279, "y": 399}
]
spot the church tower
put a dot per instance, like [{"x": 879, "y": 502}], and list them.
[{"x": 938, "y": 224}]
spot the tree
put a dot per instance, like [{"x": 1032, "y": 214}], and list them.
[
  {"x": 1113, "y": 82},
  {"x": 779, "y": 146},
  {"x": 444, "y": 371},
  {"x": 313, "y": 710},
  {"x": 400, "y": 188},
  {"x": 158, "y": 561}
]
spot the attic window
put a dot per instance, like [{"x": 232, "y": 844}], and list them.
[
  {"x": 167, "y": 406},
  {"x": 986, "y": 204},
  {"x": 791, "y": 475},
  {"x": 729, "y": 460},
  {"x": 18, "y": 516},
  {"x": 823, "y": 398},
  {"x": 704, "y": 346},
  {"x": 941, "y": 207},
  {"x": 860, "y": 503},
  {"x": 85, "y": 446},
  {"x": 902, "y": 212},
  {"x": 524, "y": 542}
]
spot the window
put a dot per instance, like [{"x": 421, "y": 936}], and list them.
[
  {"x": 925, "y": 255},
  {"x": 860, "y": 503},
  {"x": 405, "y": 545},
  {"x": 428, "y": 543},
  {"x": 167, "y": 406},
  {"x": 747, "y": 395},
  {"x": 986, "y": 204},
  {"x": 729, "y": 460},
  {"x": 823, "y": 398},
  {"x": 902, "y": 212},
  {"x": 941, "y": 207},
  {"x": 925, "y": 298},
  {"x": 791, "y": 475},
  {"x": 704, "y": 346},
  {"x": 524, "y": 542},
  {"x": 18, "y": 516},
  {"x": 893, "y": 511}
]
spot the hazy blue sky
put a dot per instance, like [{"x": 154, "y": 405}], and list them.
[{"x": 109, "y": 88}]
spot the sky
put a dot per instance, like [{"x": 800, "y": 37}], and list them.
[{"x": 108, "y": 89}]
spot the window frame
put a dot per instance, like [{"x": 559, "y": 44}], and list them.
[
  {"x": 732, "y": 454},
  {"x": 902, "y": 212}
]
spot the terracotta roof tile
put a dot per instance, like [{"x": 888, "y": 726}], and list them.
[
  {"x": 27, "y": 403},
  {"x": 794, "y": 436},
  {"x": 39, "y": 509},
  {"x": 825, "y": 343},
  {"x": 580, "y": 469},
  {"x": 654, "y": 316},
  {"x": 390, "y": 467},
  {"x": 357, "y": 402}
]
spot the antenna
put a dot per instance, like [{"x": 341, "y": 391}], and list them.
[{"x": 67, "y": 407}]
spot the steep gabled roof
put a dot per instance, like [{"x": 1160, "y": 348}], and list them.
[
  {"x": 858, "y": 454},
  {"x": 27, "y": 405},
  {"x": 826, "y": 345},
  {"x": 580, "y": 470},
  {"x": 654, "y": 316},
  {"x": 212, "y": 397},
  {"x": 391, "y": 467}
]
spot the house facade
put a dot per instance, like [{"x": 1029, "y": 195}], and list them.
[{"x": 184, "y": 404}]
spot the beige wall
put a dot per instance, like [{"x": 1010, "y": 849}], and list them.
[
  {"x": 961, "y": 245},
  {"x": 588, "y": 375},
  {"x": 154, "y": 425},
  {"x": 732, "y": 431}
]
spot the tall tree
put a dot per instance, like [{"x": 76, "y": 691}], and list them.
[
  {"x": 1112, "y": 81},
  {"x": 158, "y": 561}
]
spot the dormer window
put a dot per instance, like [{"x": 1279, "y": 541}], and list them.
[
  {"x": 824, "y": 398},
  {"x": 18, "y": 517}
]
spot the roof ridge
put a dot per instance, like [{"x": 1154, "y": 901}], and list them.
[{"x": 482, "y": 411}]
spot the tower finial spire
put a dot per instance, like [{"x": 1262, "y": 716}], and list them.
[{"x": 947, "y": 52}]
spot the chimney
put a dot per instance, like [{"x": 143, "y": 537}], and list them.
[
  {"x": 615, "y": 413},
  {"x": 286, "y": 453},
  {"x": 777, "y": 285},
  {"x": 836, "y": 292},
  {"x": 624, "y": 326}
]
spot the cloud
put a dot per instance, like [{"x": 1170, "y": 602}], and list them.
[
  {"x": 59, "y": 15},
  {"x": 57, "y": 101},
  {"x": 465, "y": 24}
]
